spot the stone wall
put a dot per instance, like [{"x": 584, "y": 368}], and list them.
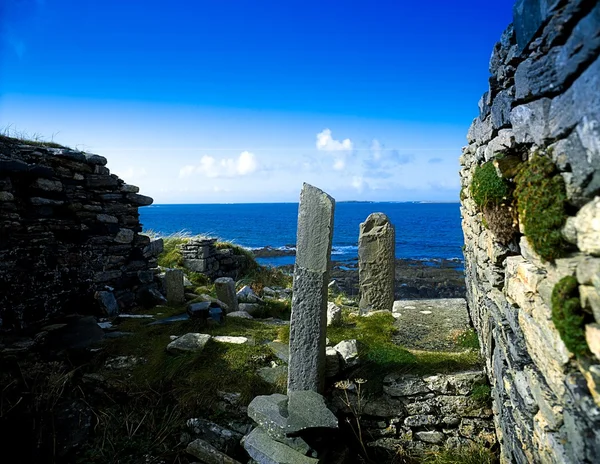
[
  {"x": 202, "y": 255},
  {"x": 70, "y": 236},
  {"x": 539, "y": 127}
]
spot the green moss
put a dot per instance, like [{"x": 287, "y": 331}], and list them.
[
  {"x": 468, "y": 339},
  {"x": 540, "y": 193},
  {"x": 568, "y": 316},
  {"x": 171, "y": 255},
  {"x": 482, "y": 393},
  {"x": 487, "y": 188},
  {"x": 471, "y": 454}
]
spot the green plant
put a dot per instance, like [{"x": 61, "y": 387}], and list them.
[
  {"x": 283, "y": 334},
  {"x": 487, "y": 188},
  {"x": 355, "y": 409},
  {"x": 540, "y": 193},
  {"x": 468, "y": 339},
  {"x": 568, "y": 316},
  {"x": 481, "y": 393},
  {"x": 472, "y": 454}
]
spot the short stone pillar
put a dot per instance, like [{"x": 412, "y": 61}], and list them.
[
  {"x": 225, "y": 288},
  {"x": 174, "y": 286},
  {"x": 376, "y": 263},
  {"x": 308, "y": 321}
]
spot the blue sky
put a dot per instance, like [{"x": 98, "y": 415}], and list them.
[{"x": 242, "y": 101}]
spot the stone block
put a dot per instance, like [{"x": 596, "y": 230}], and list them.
[
  {"x": 376, "y": 263},
  {"x": 208, "y": 454},
  {"x": 265, "y": 450},
  {"x": 592, "y": 337},
  {"x": 173, "y": 284},
  {"x": 308, "y": 320},
  {"x": 587, "y": 224},
  {"x": 225, "y": 289},
  {"x": 188, "y": 343},
  {"x": 530, "y": 122}
]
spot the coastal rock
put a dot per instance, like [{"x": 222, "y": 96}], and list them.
[{"x": 376, "y": 263}]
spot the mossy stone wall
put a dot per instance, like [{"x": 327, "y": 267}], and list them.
[{"x": 530, "y": 205}]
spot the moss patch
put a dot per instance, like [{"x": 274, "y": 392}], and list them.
[
  {"x": 568, "y": 316},
  {"x": 472, "y": 454},
  {"x": 487, "y": 188},
  {"x": 541, "y": 195}
]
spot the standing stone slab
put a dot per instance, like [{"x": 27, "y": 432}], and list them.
[
  {"x": 174, "y": 286},
  {"x": 376, "y": 263},
  {"x": 225, "y": 288},
  {"x": 308, "y": 321}
]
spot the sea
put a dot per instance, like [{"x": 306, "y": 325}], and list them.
[{"x": 429, "y": 232}]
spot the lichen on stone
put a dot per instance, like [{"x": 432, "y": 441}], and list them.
[
  {"x": 568, "y": 316},
  {"x": 540, "y": 193}
]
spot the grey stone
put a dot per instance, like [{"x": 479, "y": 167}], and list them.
[
  {"x": 348, "y": 352},
  {"x": 334, "y": 314},
  {"x": 309, "y": 302},
  {"x": 124, "y": 236},
  {"x": 264, "y": 450},
  {"x": 530, "y": 122},
  {"x": 587, "y": 224},
  {"x": 247, "y": 295},
  {"x": 431, "y": 437},
  {"x": 250, "y": 308},
  {"x": 501, "y": 107},
  {"x": 332, "y": 362},
  {"x": 48, "y": 185},
  {"x": 404, "y": 385},
  {"x": 307, "y": 410},
  {"x": 230, "y": 339},
  {"x": 225, "y": 288},
  {"x": 274, "y": 375},
  {"x": 174, "y": 288},
  {"x": 240, "y": 314},
  {"x": 528, "y": 17},
  {"x": 108, "y": 303},
  {"x": 376, "y": 263},
  {"x": 271, "y": 414},
  {"x": 281, "y": 350},
  {"x": 480, "y": 131},
  {"x": 190, "y": 342},
  {"x": 208, "y": 454}
]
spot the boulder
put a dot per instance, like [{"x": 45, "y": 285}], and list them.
[
  {"x": 247, "y": 295},
  {"x": 188, "y": 343},
  {"x": 348, "y": 351},
  {"x": 334, "y": 314}
]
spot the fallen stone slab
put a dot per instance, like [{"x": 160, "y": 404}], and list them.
[
  {"x": 229, "y": 339},
  {"x": 265, "y": 450},
  {"x": 188, "y": 343},
  {"x": 208, "y": 454},
  {"x": 307, "y": 410},
  {"x": 240, "y": 314},
  {"x": 270, "y": 412}
]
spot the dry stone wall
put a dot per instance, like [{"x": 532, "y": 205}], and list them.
[
  {"x": 69, "y": 236},
  {"x": 531, "y": 217}
]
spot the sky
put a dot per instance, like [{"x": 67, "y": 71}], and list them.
[{"x": 241, "y": 101}]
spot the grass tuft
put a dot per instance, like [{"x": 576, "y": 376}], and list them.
[
  {"x": 487, "y": 188},
  {"x": 473, "y": 454}
]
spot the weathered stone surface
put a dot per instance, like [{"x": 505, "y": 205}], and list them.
[
  {"x": 173, "y": 284},
  {"x": 264, "y": 450},
  {"x": 431, "y": 437},
  {"x": 247, "y": 295},
  {"x": 208, "y": 453},
  {"x": 332, "y": 362},
  {"x": 348, "y": 352},
  {"x": 230, "y": 339},
  {"x": 309, "y": 302},
  {"x": 240, "y": 314},
  {"x": 592, "y": 337},
  {"x": 334, "y": 314},
  {"x": 108, "y": 303},
  {"x": 530, "y": 121},
  {"x": 307, "y": 410},
  {"x": 225, "y": 289},
  {"x": 188, "y": 343},
  {"x": 271, "y": 414},
  {"x": 404, "y": 385},
  {"x": 376, "y": 263},
  {"x": 274, "y": 375},
  {"x": 587, "y": 223}
]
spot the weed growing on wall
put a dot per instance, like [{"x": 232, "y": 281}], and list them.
[
  {"x": 568, "y": 316},
  {"x": 541, "y": 195}
]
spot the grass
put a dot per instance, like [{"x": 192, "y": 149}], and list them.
[
  {"x": 14, "y": 136},
  {"x": 568, "y": 316},
  {"x": 468, "y": 339},
  {"x": 541, "y": 195},
  {"x": 473, "y": 454},
  {"x": 482, "y": 394}
]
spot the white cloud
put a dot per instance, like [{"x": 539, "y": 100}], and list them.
[
  {"x": 325, "y": 142},
  {"x": 226, "y": 167},
  {"x": 339, "y": 164},
  {"x": 359, "y": 183},
  {"x": 376, "y": 149}
]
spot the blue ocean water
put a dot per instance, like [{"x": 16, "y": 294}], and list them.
[{"x": 424, "y": 231}]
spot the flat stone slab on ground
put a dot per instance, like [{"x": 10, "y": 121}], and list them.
[
  {"x": 190, "y": 342},
  {"x": 265, "y": 450},
  {"x": 228, "y": 339},
  {"x": 430, "y": 324}
]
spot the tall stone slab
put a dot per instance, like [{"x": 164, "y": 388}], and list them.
[
  {"x": 225, "y": 289},
  {"x": 308, "y": 322},
  {"x": 174, "y": 286},
  {"x": 376, "y": 263}
]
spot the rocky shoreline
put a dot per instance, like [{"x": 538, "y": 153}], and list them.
[{"x": 414, "y": 279}]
